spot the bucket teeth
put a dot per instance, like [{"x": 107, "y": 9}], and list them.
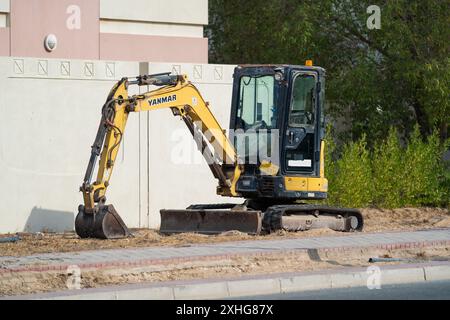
[{"x": 104, "y": 224}]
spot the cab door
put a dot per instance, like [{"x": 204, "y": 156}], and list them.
[{"x": 302, "y": 134}]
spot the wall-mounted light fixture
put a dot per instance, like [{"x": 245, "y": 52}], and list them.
[{"x": 50, "y": 42}]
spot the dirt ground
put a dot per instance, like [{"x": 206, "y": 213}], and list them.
[
  {"x": 32, "y": 282},
  {"x": 376, "y": 220}
]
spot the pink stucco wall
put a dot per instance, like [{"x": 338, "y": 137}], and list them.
[
  {"x": 32, "y": 20},
  {"x": 4, "y": 41},
  {"x": 153, "y": 48}
]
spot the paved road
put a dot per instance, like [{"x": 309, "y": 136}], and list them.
[
  {"x": 433, "y": 290},
  {"x": 144, "y": 256}
]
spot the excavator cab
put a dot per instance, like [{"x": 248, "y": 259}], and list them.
[
  {"x": 273, "y": 157},
  {"x": 278, "y": 122}
]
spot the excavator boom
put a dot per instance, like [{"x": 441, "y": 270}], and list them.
[{"x": 95, "y": 218}]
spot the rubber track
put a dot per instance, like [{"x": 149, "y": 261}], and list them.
[{"x": 272, "y": 216}]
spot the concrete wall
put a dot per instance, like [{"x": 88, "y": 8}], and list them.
[{"x": 50, "y": 111}]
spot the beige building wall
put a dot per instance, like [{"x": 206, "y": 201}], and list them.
[
  {"x": 4, "y": 5},
  {"x": 50, "y": 112},
  {"x": 188, "y": 12}
]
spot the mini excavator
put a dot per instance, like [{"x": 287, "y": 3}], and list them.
[{"x": 275, "y": 108}]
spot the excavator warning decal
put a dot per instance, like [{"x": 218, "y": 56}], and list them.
[{"x": 154, "y": 102}]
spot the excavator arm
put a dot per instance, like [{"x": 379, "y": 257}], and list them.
[{"x": 98, "y": 220}]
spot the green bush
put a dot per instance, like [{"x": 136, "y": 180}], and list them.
[
  {"x": 390, "y": 176},
  {"x": 352, "y": 184},
  {"x": 388, "y": 172},
  {"x": 423, "y": 182}
]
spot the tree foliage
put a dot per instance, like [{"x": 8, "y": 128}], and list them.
[{"x": 394, "y": 76}]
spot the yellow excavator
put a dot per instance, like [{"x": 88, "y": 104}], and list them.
[{"x": 273, "y": 157}]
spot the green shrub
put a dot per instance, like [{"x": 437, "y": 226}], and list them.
[
  {"x": 388, "y": 172},
  {"x": 353, "y": 176},
  {"x": 423, "y": 183},
  {"x": 391, "y": 176}
]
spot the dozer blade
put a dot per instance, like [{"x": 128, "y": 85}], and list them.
[
  {"x": 210, "y": 221},
  {"x": 105, "y": 224}
]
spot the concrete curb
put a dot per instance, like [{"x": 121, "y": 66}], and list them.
[{"x": 266, "y": 285}]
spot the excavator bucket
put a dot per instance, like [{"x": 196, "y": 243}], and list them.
[
  {"x": 210, "y": 221},
  {"x": 104, "y": 224}
]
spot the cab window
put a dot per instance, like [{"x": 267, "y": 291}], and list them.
[{"x": 303, "y": 101}]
